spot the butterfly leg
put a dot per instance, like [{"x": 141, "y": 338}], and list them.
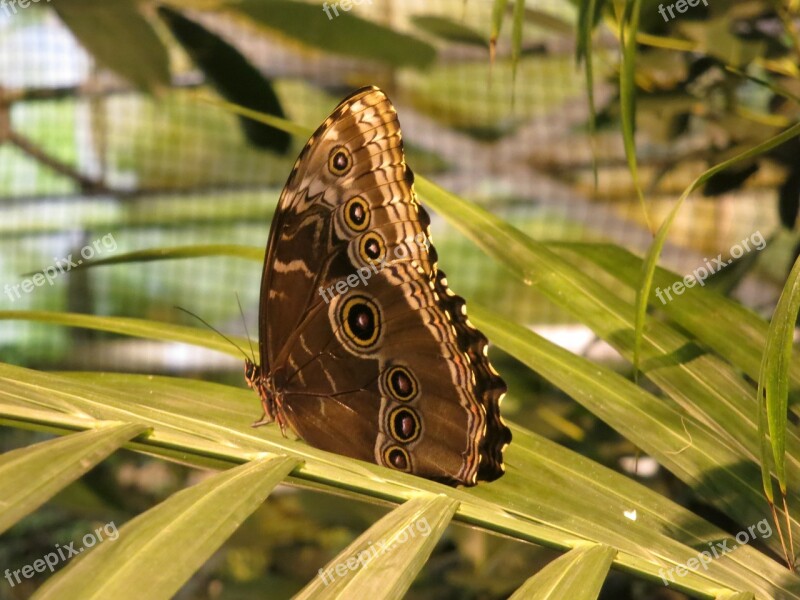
[
  {"x": 268, "y": 416},
  {"x": 265, "y": 419},
  {"x": 272, "y": 413},
  {"x": 280, "y": 416},
  {"x": 282, "y": 422}
]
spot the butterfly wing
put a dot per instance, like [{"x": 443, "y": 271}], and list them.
[{"x": 369, "y": 352}]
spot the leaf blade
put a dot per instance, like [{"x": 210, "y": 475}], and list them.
[
  {"x": 579, "y": 574},
  {"x": 392, "y": 560},
  {"x": 233, "y": 76},
  {"x": 55, "y": 463},
  {"x": 207, "y": 514},
  {"x": 546, "y": 487}
]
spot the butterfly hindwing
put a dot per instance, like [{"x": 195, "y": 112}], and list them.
[{"x": 364, "y": 350}]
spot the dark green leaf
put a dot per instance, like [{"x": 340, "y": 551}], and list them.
[
  {"x": 789, "y": 199},
  {"x": 448, "y": 30},
  {"x": 233, "y": 76},
  {"x": 729, "y": 180},
  {"x": 344, "y": 34}
]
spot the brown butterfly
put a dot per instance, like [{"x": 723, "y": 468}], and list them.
[{"x": 364, "y": 349}]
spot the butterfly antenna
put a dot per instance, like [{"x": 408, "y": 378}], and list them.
[
  {"x": 214, "y": 329},
  {"x": 244, "y": 322}
]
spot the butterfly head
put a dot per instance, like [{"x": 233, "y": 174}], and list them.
[
  {"x": 265, "y": 388},
  {"x": 252, "y": 374}
]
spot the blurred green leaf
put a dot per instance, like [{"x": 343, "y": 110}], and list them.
[
  {"x": 518, "y": 20},
  {"x": 549, "y": 21},
  {"x": 588, "y": 13},
  {"x": 117, "y": 35},
  {"x": 498, "y": 14},
  {"x": 343, "y": 34},
  {"x": 233, "y": 76},
  {"x": 448, "y": 30},
  {"x": 129, "y": 326},
  {"x": 628, "y": 28},
  {"x": 729, "y": 180},
  {"x": 648, "y": 268}
]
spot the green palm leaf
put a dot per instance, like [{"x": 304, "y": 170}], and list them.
[
  {"x": 190, "y": 525},
  {"x": 578, "y": 575}
]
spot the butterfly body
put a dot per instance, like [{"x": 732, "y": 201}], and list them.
[{"x": 363, "y": 349}]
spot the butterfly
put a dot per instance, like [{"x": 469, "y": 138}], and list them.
[{"x": 364, "y": 351}]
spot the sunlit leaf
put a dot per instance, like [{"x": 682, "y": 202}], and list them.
[
  {"x": 182, "y": 532},
  {"x": 384, "y": 560},
  {"x": 30, "y": 476},
  {"x": 578, "y": 575},
  {"x": 550, "y": 495},
  {"x": 774, "y": 377}
]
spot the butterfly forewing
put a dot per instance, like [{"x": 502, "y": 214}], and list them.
[{"x": 364, "y": 350}]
